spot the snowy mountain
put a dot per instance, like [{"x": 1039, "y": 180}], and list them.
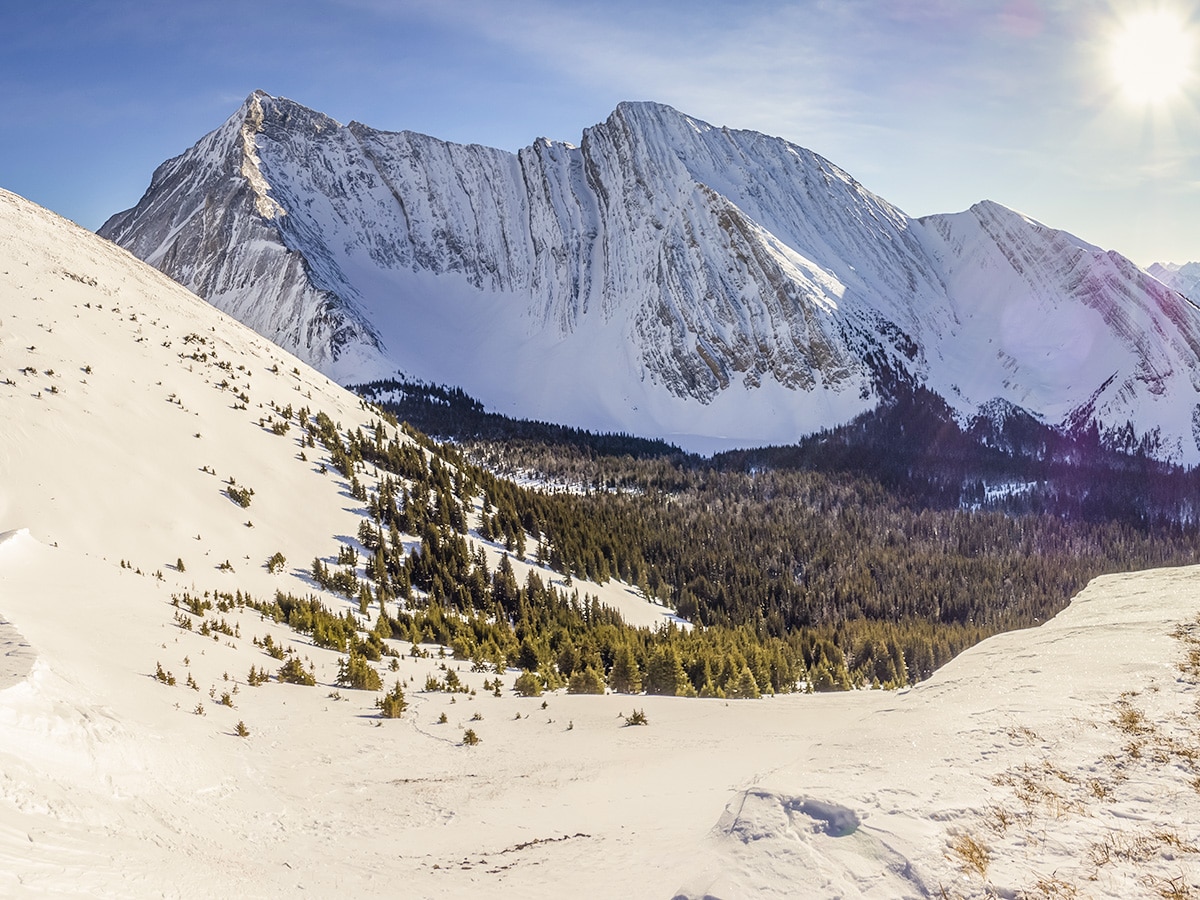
[
  {"x": 665, "y": 277},
  {"x": 1184, "y": 277},
  {"x": 130, "y": 406}
]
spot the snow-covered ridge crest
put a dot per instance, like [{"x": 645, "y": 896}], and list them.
[
  {"x": 265, "y": 205},
  {"x": 1183, "y": 277},
  {"x": 665, "y": 277}
]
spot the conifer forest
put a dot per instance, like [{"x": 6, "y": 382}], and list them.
[{"x": 868, "y": 562}]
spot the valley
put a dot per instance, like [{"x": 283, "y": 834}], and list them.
[
  {"x": 177, "y": 489},
  {"x": 263, "y": 635}
]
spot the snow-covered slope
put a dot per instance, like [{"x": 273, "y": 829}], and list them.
[
  {"x": 130, "y": 403},
  {"x": 1062, "y": 328},
  {"x": 665, "y": 277},
  {"x": 1068, "y": 752},
  {"x": 1183, "y": 277}
]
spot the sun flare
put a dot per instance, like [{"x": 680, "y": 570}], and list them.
[{"x": 1152, "y": 56}]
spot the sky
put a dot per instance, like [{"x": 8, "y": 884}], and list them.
[{"x": 932, "y": 104}]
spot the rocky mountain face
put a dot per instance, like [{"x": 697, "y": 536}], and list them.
[
  {"x": 224, "y": 244},
  {"x": 665, "y": 277}
]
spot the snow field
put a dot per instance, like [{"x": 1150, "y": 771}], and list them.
[{"x": 1039, "y": 762}]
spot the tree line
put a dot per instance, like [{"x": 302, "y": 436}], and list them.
[{"x": 793, "y": 578}]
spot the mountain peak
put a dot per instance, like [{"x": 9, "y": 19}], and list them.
[
  {"x": 1181, "y": 277},
  {"x": 711, "y": 286},
  {"x": 648, "y": 109}
]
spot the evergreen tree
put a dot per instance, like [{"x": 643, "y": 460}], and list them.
[
  {"x": 568, "y": 658},
  {"x": 625, "y": 677},
  {"x": 355, "y": 672},
  {"x": 392, "y": 704},
  {"x": 528, "y": 684},
  {"x": 527, "y": 657},
  {"x": 586, "y": 681},
  {"x": 745, "y": 687},
  {"x": 293, "y": 672},
  {"x": 664, "y": 672}
]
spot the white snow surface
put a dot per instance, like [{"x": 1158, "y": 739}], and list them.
[
  {"x": 1061, "y": 750},
  {"x": 665, "y": 277},
  {"x": 1183, "y": 277}
]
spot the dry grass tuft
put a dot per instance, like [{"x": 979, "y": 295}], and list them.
[
  {"x": 1137, "y": 848},
  {"x": 1174, "y": 841},
  {"x": 1024, "y": 734},
  {"x": 1099, "y": 789},
  {"x": 1176, "y": 888},
  {"x": 1041, "y": 788},
  {"x": 1189, "y": 666},
  {"x": 1131, "y": 720},
  {"x": 1051, "y": 888},
  {"x": 972, "y": 855},
  {"x": 999, "y": 818}
]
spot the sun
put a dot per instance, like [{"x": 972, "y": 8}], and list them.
[{"x": 1152, "y": 56}]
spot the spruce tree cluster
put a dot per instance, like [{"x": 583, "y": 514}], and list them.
[
  {"x": 355, "y": 672},
  {"x": 801, "y": 579}
]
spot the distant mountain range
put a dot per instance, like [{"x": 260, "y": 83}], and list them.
[
  {"x": 1184, "y": 277},
  {"x": 666, "y": 277}
]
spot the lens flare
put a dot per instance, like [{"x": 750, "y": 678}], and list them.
[{"x": 1152, "y": 56}]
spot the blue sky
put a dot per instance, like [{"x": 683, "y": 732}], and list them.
[{"x": 933, "y": 104}]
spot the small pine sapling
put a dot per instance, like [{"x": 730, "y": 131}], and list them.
[
  {"x": 293, "y": 672},
  {"x": 392, "y": 704},
  {"x": 528, "y": 684},
  {"x": 239, "y": 495},
  {"x": 164, "y": 676}
]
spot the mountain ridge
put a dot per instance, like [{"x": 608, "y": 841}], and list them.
[
  {"x": 732, "y": 288},
  {"x": 1183, "y": 277}
]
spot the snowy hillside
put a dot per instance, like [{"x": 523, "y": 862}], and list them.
[
  {"x": 666, "y": 277},
  {"x": 1059, "y": 761},
  {"x": 112, "y": 368}
]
